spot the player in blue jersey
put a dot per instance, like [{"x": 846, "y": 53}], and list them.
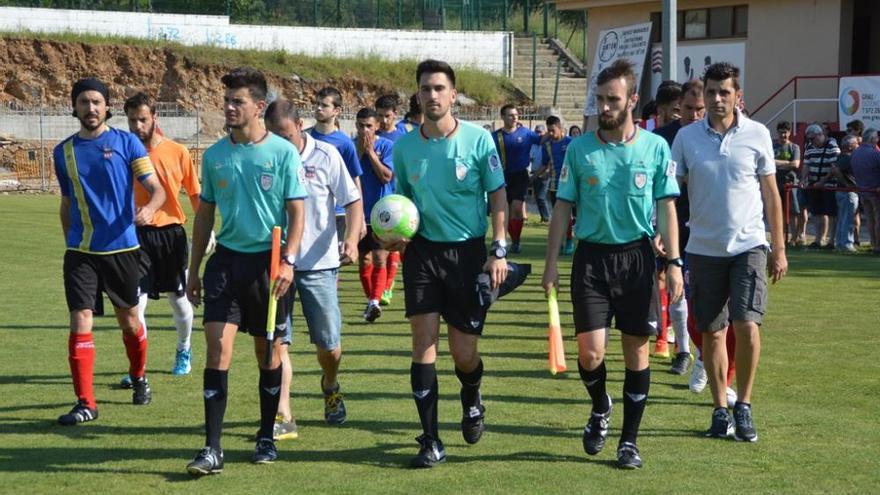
[
  {"x": 413, "y": 117},
  {"x": 96, "y": 169},
  {"x": 386, "y": 109},
  {"x": 552, "y": 156},
  {"x": 256, "y": 181},
  {"x": 514, "y": 142}
]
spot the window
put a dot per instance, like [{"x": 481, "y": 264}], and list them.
[
  {"x": 695, "y": 22},
  {"x": 700, "y": 24},
  {"x": 741, "y": 20},
  {"x": 721, "y": 22}
]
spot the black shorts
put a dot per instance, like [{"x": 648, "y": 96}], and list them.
[
  {"x": 517, "y": 185},
  {"x": 165, "y": 251},
  {"x": 441, "y": 277},
  {"x": 821, "y": 202},
  {"x": 86, "y": 275},
  {"x": 236, "y": 291},
  {"x": 368, "y": 244},
  {"x": 613, "y": 280}
]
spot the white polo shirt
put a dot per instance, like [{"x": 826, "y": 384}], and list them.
[
  {"x": 722, "y": 173},
  {"x": 329, "y": 185}
]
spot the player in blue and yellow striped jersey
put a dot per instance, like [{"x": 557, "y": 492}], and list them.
[{"x": 96, "y": 169}]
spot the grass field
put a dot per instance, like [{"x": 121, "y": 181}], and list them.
[{"x": 815, "y": 402}]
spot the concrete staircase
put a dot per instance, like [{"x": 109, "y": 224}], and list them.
[{"x": 572, "y": 88}]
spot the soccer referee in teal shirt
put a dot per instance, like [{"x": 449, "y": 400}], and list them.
[{"x": 614, "y": 176}]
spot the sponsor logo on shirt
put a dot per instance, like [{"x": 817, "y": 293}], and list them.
[{"x": 592, "y": 180}]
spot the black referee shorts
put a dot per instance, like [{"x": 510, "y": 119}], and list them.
[
  {"x": 441, "y": 277},
  {"x": 86, "y": 274},
  {"x": 236, "y": 291},
  {"x": 517, "y": 185},
  {"x": 166, "y": 250},
  {"x": 613, "y": 281}
]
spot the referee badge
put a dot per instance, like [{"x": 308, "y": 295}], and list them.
[
  {"x": 461, "y": 171},
  {"x": 494, "y": 163},
  {"x": 640, "y": 179},
  {"x": 670, "y": 168},
  {"x": 266, "y": 181},
  {"x": 563, "y": 174}
]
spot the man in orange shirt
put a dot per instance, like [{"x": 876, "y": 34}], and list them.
[{"x": 163, "y": 240}]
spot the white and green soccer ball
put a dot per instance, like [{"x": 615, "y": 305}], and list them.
[{"x": 394, "y": 218}]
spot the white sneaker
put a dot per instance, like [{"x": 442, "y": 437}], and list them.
[
  {"x": 698, "y": 378},
  {"x": 731, "y": 397},
  {"x": 670, "y": 335}
]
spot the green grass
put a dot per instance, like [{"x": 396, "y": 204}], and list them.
[
  {"x": 814, "y": 404},
  {"x": 486, "y": 88}
]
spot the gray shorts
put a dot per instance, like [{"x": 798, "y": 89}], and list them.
[
  {"x": 317, "y": 293},
  {"x": 728, "y": 288}
]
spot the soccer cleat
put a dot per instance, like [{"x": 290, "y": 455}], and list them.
[
  {"x": 265, "y": 451},
  {"x": 515, "y": 248},
  {"x": 472, "y": 424},
  {"x": 744, "y": 427},
  {"x": 722, "y": 424},
  {"x": 680, "y": 363},
  {"x": 628, "y": 456},
  {"x": 141, "y": 394},
  {"x": 385, "y": 300},
  {"x": 182, "y": 362},
  {"x": 731, "y": 396},
  {"x": 285, "y": 430},
  {"x": 568, "y": 248},
  {"x": 372, "y": 312},
  {"x": 698, "y": 379},
  {"x": 207, "y": 461},
  {"x": 661, "y": 349},
  {"x": 125, "y": 382},
  {"x": 431, "y": 453},
  {"x": 334, "y": 406},
  {"x": 596, "y": 430},
  {"x": 79, "y": 414}
]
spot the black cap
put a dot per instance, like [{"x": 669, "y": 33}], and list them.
[
  {"x": 89, "y": 84},
  {"x": 516, "y": 275}
]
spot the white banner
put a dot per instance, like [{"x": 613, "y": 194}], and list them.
[
  {"x": 859, "y": 98},
  {"x": 695, "y": 56},
  {"x": 626, "y": 42}
]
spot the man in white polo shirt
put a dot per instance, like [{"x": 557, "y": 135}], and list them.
[
  {"x": 317, "y": 263},
  {"x": 728, "y": 164}
]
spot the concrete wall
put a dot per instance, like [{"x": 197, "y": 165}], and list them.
[{"x": 489, "y": 51}]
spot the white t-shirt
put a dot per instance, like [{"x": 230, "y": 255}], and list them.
[
  {"x": 329, "y": 185},
  {"x": 724, "y": 189}
]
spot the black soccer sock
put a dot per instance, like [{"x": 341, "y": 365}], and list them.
[
  {"x": 635, "y": 397},
  {"x": 215, "y": 385},
  {"x": 470, "y": 386},
  {"x": 594, "y": 381},
  {"x": 423, "y": 378},
  {"x": 270, "y": 394}
]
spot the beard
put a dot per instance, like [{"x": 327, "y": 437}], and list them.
[
  {"x": 608, "y": 123},
  {"x": 147, "y": 136},
  {"x": 89, "y": 126}
]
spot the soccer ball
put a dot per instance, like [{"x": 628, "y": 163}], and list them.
[{"x": 394, "y": 218}]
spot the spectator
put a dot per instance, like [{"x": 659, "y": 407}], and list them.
[
  {"x": 847, "y": 202},
  {"x": 574, "y": 131},
  {"x": 866, "y": 171},
  {"x": 788, "y": 162},
  {"x": 819, "y": 156},
  {"x": 540, "y": 184},
  {"x": 856, "y": 128}
]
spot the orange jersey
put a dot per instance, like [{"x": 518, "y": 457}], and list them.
[{"x": 174, "y": 168}]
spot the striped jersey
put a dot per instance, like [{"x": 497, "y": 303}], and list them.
[{"x": 818, "y": 160}]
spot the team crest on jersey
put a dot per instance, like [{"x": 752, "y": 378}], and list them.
[
  {"x": 266, "y": 181},
  {"x": 494, "y": 163},
  {"x": 108, "y": 152},
  {"x": 461, "y": 171},
  {"x": 310, "y": 172},
  {"x": 563, "y": 174},
  {"x": 519, "y": 139},
  {"x": 640, "y": 179}
]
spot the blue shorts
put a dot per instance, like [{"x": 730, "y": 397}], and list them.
[{"x": 319, "y": 301}]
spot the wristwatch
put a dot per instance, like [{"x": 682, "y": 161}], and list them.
[
  {"x": 288, "y": 259},
  {"x": 499, "y": 250},
  {"x": 676, "y": 261}
]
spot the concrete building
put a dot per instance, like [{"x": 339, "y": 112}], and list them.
[{"x": 773, "y": 41}]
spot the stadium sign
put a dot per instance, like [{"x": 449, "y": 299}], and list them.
[
  {"x": 859, "y": 98},
  {"x": 627, "y": 42}
]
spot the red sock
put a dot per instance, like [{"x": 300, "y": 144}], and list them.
[
  {"x": 136, "y": 349},
  {"x": 568, "y": 233},
  {"x": 696, "y": 337},
  {"x": 366, "y": 272},
  {"x": 393, "y": 262},
  {"x": 377, "y": 282},
  {"x": 515, "y": 226},
  {"x": 81, "y": 356},
  {"x": 731, "y": 354}
]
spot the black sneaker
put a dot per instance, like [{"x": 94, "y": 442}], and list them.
[
  {"x": 207, "y": 461},
  {"x": 628, "y": 456},
  {"x": 265, "y": 451},
  {"x": 472, "y": 425},
  {"x": 515, "y": 248},
  {"x": 680, "y": 363},
  {"x": 744, "y": 430},
  {"x": 79, "y": 414},
  {"x": 431, "y": 452},
  {"x": 722, "y": 424},
  {"x": 596, "y": 430},
  {"x": 141, "y": 394},
  {"x": 372, "y": 313}
]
